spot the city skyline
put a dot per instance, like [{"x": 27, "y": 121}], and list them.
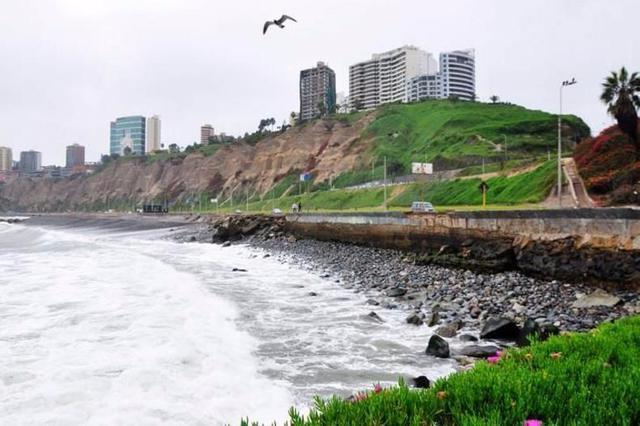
[{"x": 107, "y": 61}]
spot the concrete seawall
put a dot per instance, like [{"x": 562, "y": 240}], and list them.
[{"x": 596, "y": 245}]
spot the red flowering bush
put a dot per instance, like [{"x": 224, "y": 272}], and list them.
[{"x": 608, "y": 164}]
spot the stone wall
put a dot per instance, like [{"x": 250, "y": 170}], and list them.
[{"x": 601, "y": 246}]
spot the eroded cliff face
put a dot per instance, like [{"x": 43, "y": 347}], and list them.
[{"x": 323, "y": 147}]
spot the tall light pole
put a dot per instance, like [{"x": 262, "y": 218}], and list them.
[{"x": 563, "y": 85}]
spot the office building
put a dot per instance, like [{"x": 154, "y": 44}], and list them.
[
  {"x": 75, "y": 155},
  {"x": 6, "y": 159},
  {"x": 153, "y": 142},
  {"x": 458, "y": 74},
  {"x": 30, "y": 162},
  {"x": 128, "y": 132},
  {"x": 207, "y": 134},
  {"x": 384, "y": 77},
  {"x": 317, "y": 87}
]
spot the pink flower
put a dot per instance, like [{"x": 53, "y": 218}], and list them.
[
  {"x": 377, "y": 388},
  {"x": 532, "y": 422},
  {"x": 493, "y": 359}
]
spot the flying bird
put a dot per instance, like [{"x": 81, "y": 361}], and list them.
[{"x": 278, "y": 22}]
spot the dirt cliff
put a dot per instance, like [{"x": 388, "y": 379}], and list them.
[{"x": 323, "y": 147}]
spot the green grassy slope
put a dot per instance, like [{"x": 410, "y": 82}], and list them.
[
  {"x": 578, "y": 379},
  {"x": 447, "y": 130}
]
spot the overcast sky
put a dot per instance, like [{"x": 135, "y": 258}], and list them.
[{"x": 68, "y": 67}]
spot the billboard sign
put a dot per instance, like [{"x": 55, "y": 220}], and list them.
[
  {"x": 304, "y": 177},
  {"x": 422, "y": 168}
]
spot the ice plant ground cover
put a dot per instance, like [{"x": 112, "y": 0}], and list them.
[{"x": 588, "y": 378}]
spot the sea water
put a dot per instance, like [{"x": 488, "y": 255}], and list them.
[{"x": 121, "y": 327}]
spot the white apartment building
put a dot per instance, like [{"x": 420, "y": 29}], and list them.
[
  {"x": 152, "y": 142},
  {"x": 458, "y": 74},
  {"x": 384, "y": 77},
  {"x": 206, "y": 132},
  {"x": 6, "y": 159},
  {"x": 456, "y": 78}
]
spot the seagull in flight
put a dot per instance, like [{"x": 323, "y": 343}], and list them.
[{"x": 278, "y": 22}]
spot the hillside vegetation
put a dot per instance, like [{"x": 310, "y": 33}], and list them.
[
  {"x": 338, "y": 151},
  {"x": 455, "y": 133},
  {"x": 609, "y": 166}
]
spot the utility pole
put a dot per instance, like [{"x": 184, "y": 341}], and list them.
[
  {"x": 385, "y": 183},
  {"x": 564, "y": 84},
  {"x": 506, "y": 155}
]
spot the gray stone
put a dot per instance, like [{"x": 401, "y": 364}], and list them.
[
  {"x": 414, "y": 319},
  {"x": 500, "y": 328},
  {"x": 479, "y": 351},
  {"x": 396, "y": 292},
  {"x": 438, "y": 347},
  {"x": 597, "y": 298},
  {"x": 468, "y": 338},
  {"x": 449, "y": 330}
]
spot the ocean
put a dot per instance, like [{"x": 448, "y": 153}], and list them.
[{"x": 117, "y": 325}]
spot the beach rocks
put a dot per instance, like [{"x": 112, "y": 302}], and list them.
[
  {"x": 395, "y": 280},
  {"x": 437, "y": 347},
  {"x": 421, "y": 382},
  {"x": 375, "y": 317},
  {"x": 597, "y": 298},
  {"x": 414, "y": 319},
  {"x": 479, "y": 351},
  {"x": 396, "y": 292},
  {"x": 449, "y": 330},
  {"x": 500, "y": 328}
]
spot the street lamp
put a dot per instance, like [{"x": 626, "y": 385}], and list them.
[{"x": 564, "y": 84}]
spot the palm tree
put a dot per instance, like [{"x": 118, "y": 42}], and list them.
[
  {"x": 494, "y": 99},
  {"x": 622, "y": 95}
]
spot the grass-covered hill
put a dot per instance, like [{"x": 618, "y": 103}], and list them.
[
  {"x": 453, "y": 133},
  {"x": 610, "y": 167}
]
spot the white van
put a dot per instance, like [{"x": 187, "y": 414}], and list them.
[{"x": 422, "y": 207}]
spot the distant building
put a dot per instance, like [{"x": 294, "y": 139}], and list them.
[
  {"x": 317, "y": 86},
  {"x": 206, "y": 131},
  {"x": 75, "y": 155},
  {"x": 153, "y": 134},
  {"x": 384, "y": 77},
  {"x": 458, "y": 74},
  {"x": 30, "y": 162},
  {"x": 6, "y": 159},
  {"x": 425, "y": 86},
  {"x": 128, "y": 132}
]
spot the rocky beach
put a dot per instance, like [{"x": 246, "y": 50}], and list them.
[{"x": 473, "y": 312}]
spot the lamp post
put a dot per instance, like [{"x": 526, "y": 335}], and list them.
[{"x": 563, "y": 85}]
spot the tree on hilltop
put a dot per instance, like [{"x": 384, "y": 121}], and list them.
[
  {"x": 621, "y": 93},
  {"x": 494, "y": 99}
]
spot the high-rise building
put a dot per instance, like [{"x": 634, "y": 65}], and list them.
[
  {"x": 30, "y": 162},
  {"x": 458, "y": 74},
  {"x": 317, "y": 87},
  {"x": 426, "y": 86},
  {"x": 153, "y": 134},
  {"x": 128, "y": 132},
  {"x": 6, "y": 159},
  {"x": 206, "y": 131},
  {"x": 75, "y": 155},
  {"x": 384, "y": 77}
]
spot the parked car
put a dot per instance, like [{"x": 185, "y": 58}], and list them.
[{"x": 422, "y": 207}]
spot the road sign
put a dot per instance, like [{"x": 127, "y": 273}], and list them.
[{"x": 422, "y": 168}]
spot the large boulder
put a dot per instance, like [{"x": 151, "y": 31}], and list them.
[
  {"x": 479, "y": 351},
  {"x": 500, "y": 328},
  {"x": 421, "y": 382},
  {"x": 438, "y": 347},
  {"x": 531, "y": 328}
]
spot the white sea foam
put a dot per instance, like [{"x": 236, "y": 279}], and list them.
[{"x": 108, "y": 328}]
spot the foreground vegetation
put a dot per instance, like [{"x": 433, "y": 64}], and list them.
[{"x": 577, "y": 379}]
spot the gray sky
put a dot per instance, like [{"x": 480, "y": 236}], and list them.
[{"x": 68, "y": 67}]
